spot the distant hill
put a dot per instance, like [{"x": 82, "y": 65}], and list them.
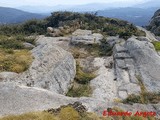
[
  {"x": 11, "y": 15},
  {"x": 137, "y": 16},
  {"x": 149, "y": 4}
]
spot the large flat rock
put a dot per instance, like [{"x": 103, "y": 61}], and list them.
[
  {"x": 53, "y": 68},
  {"x": 147, "y": 62}
]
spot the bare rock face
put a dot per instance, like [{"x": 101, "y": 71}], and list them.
[
  {"x": 86, "y": 37},
  {"x": 133, "y": 62},
  {"x": 49, "y": 29},
  {"x": 51, "y": 74},
  {"x": 4, "y": 76},
  {"x": 28, "y": 45},
  {"x": 18, "y": 99},
  {"x": 147, "y": 62},
  {"x": 154, "y": 25},
  {"x": 53, "y": 68}
]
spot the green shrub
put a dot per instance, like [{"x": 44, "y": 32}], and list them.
[
  {"x": 156, "y": 45},
  {"x": 11, "y": 44},
  {"x": 80, "y": 90},
  {"x": 148, "y": 97},
  {"x": 23, "y": 38},
  {"x": 81, "y": 85},
  {"x": 132, "y": 99},
  {"x": 74, "y": 20}
]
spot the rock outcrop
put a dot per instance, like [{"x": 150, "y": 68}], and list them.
[
  {"x": 86, "y": 37},
  {"x": 147, "y": 63},
  {"x": 133, "y": 62},
  {"x": 17, "y": 99},
  {"x": 53, "y": 68},
  {"x": 154, "y": 25},
  {"x": 44, "y": 84}
]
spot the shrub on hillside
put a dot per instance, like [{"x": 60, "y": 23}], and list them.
[{"x": 74, "y": 20}]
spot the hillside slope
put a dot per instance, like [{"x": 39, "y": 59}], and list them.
[
  {"x": 154, "y": 25},
  {"x": 11, "y": 15}
]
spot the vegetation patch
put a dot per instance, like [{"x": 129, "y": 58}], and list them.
[
  {"x": 82, "y": 50},
  {"x": 144, "y": 97},
  {"x": 81, "y": 85},
  {"x": 148, "y": 97},
  {"x": 80, "y": 90},
  {"x": 156, "y": 45},
  {"x": 72, "y": 21},
  {"x": 13, "y": 56},
  {"x": 31, "y": 116},
  {"x": 14, "y": 60},
  {"x": 83, "y": 77},
  {"x": 70, "y": 113}
]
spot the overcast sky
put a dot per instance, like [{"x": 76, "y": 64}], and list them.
[{"x": 16, "y": 3}]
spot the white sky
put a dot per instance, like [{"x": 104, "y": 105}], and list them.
[{"x": 16, "y": 3}]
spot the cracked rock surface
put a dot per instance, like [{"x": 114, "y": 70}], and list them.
[{"x": 44, "y": 84}]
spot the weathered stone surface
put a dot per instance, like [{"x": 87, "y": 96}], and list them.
[
  {"x": 82, "y": 32},
  {"x": 143, "y": 39},
  {"x": 154, "y": 25},
  {"x": 112, "y": 40},
  {"x": 124, "y": 71},
  {"x": 4, "y": 76},
  {"x": 49, "y": 29},
  {"x": 86, "y": 37},
  {"x": 17, "y": 99},
  {"x": 53, "y": 68},
  {"x": 28, "y": 45},
  {"x": 104, "y": 87},
  {"x": 149, "y": 35},
  {"x": 147, "y": 61}
]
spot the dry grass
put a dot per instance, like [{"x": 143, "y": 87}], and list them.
[
  {"x": 14, "y": 60},
  {"x": 31, "y": 116},
  {"x": 81, "y": 86},
  {"x": 69, "y": 113}
]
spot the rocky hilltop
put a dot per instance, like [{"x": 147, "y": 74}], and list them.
[
  {"x": 88, "y": 67},
  {"x": 154, "y": 25}
]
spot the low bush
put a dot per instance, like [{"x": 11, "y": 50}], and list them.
[
  {"x": 156, "y": 45},
  {"x": 11, "y": 44},
  {"x": 80, "y": 90},
  {"x": 148, "y": 97}
]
